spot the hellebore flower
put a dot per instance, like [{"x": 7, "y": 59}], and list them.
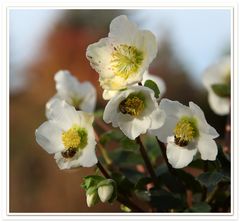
[
  {"x": 134, "y": 111},
  {"x": 123, "y": 56},
  {"x": 217, "y": 80},
  {"x": 69, "y": 135},
  {"x": 80, "y": 95},
  {"x": 186, "y": 132}
]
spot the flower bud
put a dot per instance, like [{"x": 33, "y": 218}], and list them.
[
  {"x": 105, "y": 192},
  {"x": 92, "y": 199}
]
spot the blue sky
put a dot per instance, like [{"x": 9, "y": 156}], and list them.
[{"x": 199, "y": 37}]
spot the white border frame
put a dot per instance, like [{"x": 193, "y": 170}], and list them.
[{"x": 108, "y": 4}]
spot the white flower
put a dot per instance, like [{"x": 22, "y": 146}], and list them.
[
  {"x": 105, "y": 192},
  {"x": 69, "y": 135},
  {"x": 160, "y": 83},
  {"x": 134, "y": 111},
  {"x": 80, "y": 95},
  {"x": 186, "y": 131},
  {"x": 122, "y": 57},
  {"x": 218, "y": 74},
  {"x": 92, "y": 199}
]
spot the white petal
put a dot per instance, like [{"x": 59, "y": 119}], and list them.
[
  {"x": 207, "y": 147},
  {"x": 48, "y": 108},
  {"x": 201, "y": 120},
  {"x": 220, "y": 106},
  {"x": 89, "y": 93},
  {"x": 63, "y": 114},
  {"x": 179, "y": 157},
  {"x": 99, "y": 55},
  {"x": 134, "y": 128},
  {"x": 166, "y": 130},
  {"x": 157, "y": 118},
  {"x": 66, "y": 84},
  {"x": 108, "y": 94},
  {"x": 123, "y": 30},
  {"x": 174, "y": 108},
  {"x": 148, "y": 44},
  {"x": 48, "y": 136}
]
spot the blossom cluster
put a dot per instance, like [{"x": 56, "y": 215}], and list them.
[{"x": 135, "y": 105}]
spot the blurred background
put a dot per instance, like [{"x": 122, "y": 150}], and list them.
[{"x": 45, "y": 41}]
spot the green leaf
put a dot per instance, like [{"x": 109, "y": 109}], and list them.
[
  {"x": 142, "y": 182},
  {"x": 189, "y": 181},
  {"x": 91, "y": 190},
  {"x": 173, "y": 183},
  {"x": 123, "y": 184},
  {"x": 153, "y": 86},
  {"x": 200, "y": 207},
  {"x": 143, "y": 194},
  {"x": 161, "y": 199},
  {"x": 125, "y": 157},
  {"x": 222, "y": 90},
  {"x": 131, "y": 174},
  {"x": 128, "y": 144},
  {"x": 90, "y": 181},
  {"x": 165, "y": 201},
  {"x": 224, "y": 162},
  {"x": 209, "y": 179}
]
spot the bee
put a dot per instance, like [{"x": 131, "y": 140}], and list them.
[
  {"x": 69, "y": 153},
  {"x": 180, "y": 142}
]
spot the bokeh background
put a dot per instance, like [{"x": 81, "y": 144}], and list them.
[{"x": 45, "y": 41}]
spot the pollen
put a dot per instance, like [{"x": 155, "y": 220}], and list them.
[
  {"x": 75, "y": 137},
  {"x": 185, "y": 131},
  {"x": 133, "y": 105},
  {"x": 126, "y": 60}
]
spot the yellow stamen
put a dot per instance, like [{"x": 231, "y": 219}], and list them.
[
  {"x": 133, "y": 106},
  {"x": 126, "y": 60},
  {"x": 185, "y": 131},
  {"x": 71, "y": 138}
]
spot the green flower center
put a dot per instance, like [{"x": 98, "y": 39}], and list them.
[
  {"x": 74, "y": 139},
  {"x": 76, "y": 102},
  {"x": 185, "y": 131},
  {"x": 126, "y": 60},
  {"x": 132, "y": 105}
]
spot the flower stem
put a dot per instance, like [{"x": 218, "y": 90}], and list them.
[
  {"x": 103, "y": 171},
  {"x": 163, "y": 151},
  {"x": 104, "y": 154},
  {"x": 147, "y": 161},
  {"x": 103, "y": 151},
  {"x": 120, "y": 197}
]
